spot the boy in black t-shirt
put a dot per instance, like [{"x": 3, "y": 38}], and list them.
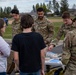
[{"x": 29, "y": 49}]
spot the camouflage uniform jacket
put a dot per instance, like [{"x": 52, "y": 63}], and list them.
[
  {"x": 16, "y": 27},
  {"x": 64, "y": 29},
  {"x": 69, "y": 50},
  {"x": 45, "y": 28}
]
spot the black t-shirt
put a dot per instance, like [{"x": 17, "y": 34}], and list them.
[{"x": 29, "y": 46}]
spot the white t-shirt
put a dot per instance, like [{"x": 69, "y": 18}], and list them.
[{"x": 5, "y": 50}]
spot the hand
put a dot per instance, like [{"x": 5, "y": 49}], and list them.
[
  {"x": 42, "y": 72},
  {"x": 50, "y": 47},
  {"x": 1, "y": 53}
]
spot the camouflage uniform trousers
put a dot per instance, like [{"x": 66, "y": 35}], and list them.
[
  {"x": 70, "y": 72},
  {"x": 10, "y": 63}
]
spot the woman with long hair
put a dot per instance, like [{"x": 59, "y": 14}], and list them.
[{"x": 4, "y": 49}]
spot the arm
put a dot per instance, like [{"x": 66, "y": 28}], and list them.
[
  {"x": 43, "y": 51},
  {"x": 33, "y": 29},
  {"x": 16, "y": 29},
  {"x": 15, "y": 45},
  {"x": 16, "y": 58},
  {"x": 13, "y": 29},
  {"x": 58, "y": 37},
  {"x": 56, "y": 40},
  {"x": 66, "y": 48},
  {"x": 50, "y": 32},
  {"x": 4, "y": 47}
]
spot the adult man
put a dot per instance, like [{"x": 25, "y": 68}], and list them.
[
  {"x": 69, "y": 53},
  {"x": 16, "y": 23},
  {"x": 67, "y": 26},
  {"x": 15, "y": 30},
  {"x": 43, "y": 26}
]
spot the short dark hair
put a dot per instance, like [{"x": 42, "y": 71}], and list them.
[
  {"x": 1, "y": 25},
  {"x": 15, "y": 11},
  {"x": 40, "y": 9},
  {"x": 65, "y": 15},
  {"x": 26, "y": 21}
]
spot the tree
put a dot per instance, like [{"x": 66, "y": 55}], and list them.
[
  {"x": 64, "y": 6},
  {"x": 5, "y": 10},
  {"x": 8, "y": 10},
  {"x": 49, "y": 6},
  {"x": 57, "y": 9},
  {"x": 15, "y": 7},
  {"x": 54, "y": 5},
  {"x": 34, "y": 9},
  {"x": 1, "y": 10},
  {"x": 41, "y": 5},
  {"x": 37, "y": 6},
  {"x": 74, "y": 7}
]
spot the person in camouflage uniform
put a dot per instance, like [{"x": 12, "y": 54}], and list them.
[
  {"x": 43, "y": 26},
  {"x": 69, "y": 53},
  {"x": 16, "y": 23},
  {"x": 67, "y": 26},
  {"x": 15, "y": 30}
]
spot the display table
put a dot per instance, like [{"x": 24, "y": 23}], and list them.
[{"x": 52, "y": 60}]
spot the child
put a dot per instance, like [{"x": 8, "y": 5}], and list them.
[{"x": 29, "y": 49}]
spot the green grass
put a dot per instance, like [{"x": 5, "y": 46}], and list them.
[
  {"x": 54, "y": 18},
  {"x": 56, "y": 28},
  {"x": 8, "y": 33},
  {"x": 59, "y": 17}
]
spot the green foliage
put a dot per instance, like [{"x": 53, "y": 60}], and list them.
[
  {"x": 34, "y": 9},
  {"x": 49, "y": 5},
  {"x": 15, "y": 7},
  {"x": 37, "y": 6},
  {"x": 54, "y": 5},
  {"x": 6, "y": 11},
  {"x": 64, "y": 6},
  {"x": 41, "y": 5},
  {"x": 1, "y": 10},
  {"x": 57, "y": 12},
  {"x": 44, "y": 6}
]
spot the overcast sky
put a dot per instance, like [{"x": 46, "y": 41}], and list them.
[{"x": 26, "y": 5}]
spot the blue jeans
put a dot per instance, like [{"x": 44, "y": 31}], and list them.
[
  {"x": 2, "y": 73},
  {"x": 34, "y": 73}
]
